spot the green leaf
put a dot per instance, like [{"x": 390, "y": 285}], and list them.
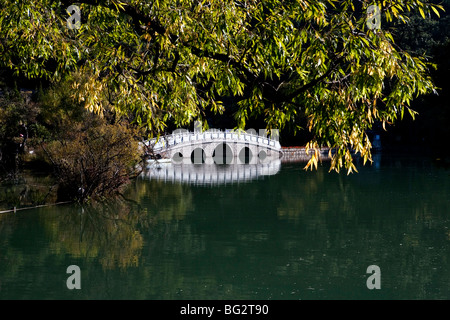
[
  {"x": 435, "y": 10},
  {"x": 422, "y": 13}
]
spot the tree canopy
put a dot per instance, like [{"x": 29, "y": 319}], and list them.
[{"x": 175, "y": 61}]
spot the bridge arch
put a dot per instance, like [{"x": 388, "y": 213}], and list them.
[
  {"x": 262, "y": 154},
  {"x": 198, "y": 156},
  {"x": 177, "y": 157},
  {"x": 223, "y": 153},
  {"x": 245, "y": 155}
]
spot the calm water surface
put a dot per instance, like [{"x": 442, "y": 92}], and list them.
[{"x": 278, "y": 233}]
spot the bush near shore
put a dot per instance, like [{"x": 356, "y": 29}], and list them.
[{"x": 91, "y": 156}]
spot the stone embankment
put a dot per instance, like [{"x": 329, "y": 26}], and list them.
[{"x": 298, "y": 154}]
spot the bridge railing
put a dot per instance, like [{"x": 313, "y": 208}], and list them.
[{"x": 171, "y": 140}]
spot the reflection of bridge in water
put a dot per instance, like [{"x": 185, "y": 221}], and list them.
[{"x": 210, "y": 174}]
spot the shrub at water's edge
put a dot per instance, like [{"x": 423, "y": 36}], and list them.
[
  {"x": 46, "y": 131},
  {"x": 94, "y": 161}
]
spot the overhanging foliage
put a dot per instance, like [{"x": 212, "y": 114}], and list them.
[{"x": 174, "y": 60}]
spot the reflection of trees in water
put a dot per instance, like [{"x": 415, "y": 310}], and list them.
[
  {"x": 164, "y": 201},
  {"x": 368, "y": 193},
  {"x": 282, "y": 234},
  {"x": 27, "y": 190},
  {"x": 11, "y": 260},
  {"x": 167, "y": 204},
  {"x": 397, "y": 218},
  {"x": 110, "y": 232}
]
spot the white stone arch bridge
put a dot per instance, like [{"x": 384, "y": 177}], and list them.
[{"x": 216, "y": 146}]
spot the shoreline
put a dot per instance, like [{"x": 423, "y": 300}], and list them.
[{"x": 299, "y": 154}]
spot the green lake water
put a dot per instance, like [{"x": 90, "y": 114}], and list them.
[{"x": 270, "y": 233}]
